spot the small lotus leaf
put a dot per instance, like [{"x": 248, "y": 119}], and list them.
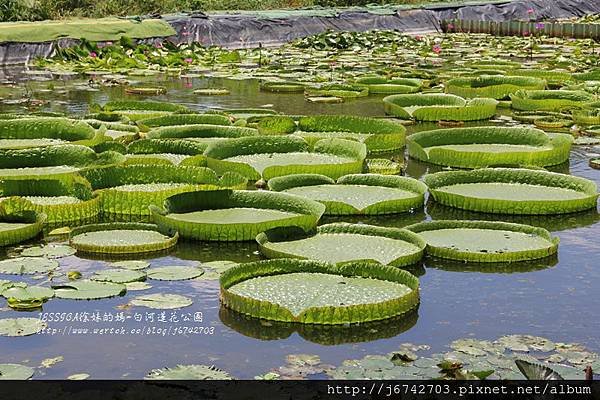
[
  {"x": 15, "y": 372},
  {"x": 119, "y": 276},
  {"x": 21, "y": 326},
  {"x": 131, "y": 264},
  {"x": 88, "y": 290},
  {"x": 162, "y": 301},
  {"x": 174, "y": 273},
  {"x": 134, "y": 286},
  {"x": 49, "y": 251},
  {"x": 27, "y": 265}
]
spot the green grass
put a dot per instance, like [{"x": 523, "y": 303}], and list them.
[{"x": 36, "y": 10}]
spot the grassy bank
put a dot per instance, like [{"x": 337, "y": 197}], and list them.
[{"x": 35, "y": 10}]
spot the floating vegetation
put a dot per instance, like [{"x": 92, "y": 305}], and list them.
[
  {"x": 489, "y": 146},
  {"x": 364, "y": 194},
  {"x": 17, "y": 227},
  {"x": 493, "y": 86},
  {"x": 88, "y": 290},
  {"x": 481, "y": 241},
  {"x": 161, "y": 301},
  {"x": 21, "y": 326},
  {"x": 376, "y": 133},
  {"x": 549, "y": 100},
  {"x": 271, "y": 156},
  {"x": 342, "y": 243},
  {"x": 512, "y": 191},
  {"x": 189, "y": 372},
  {"x": 312, "y": 292},
  {"x": 226, "y": 215},
  {"x": 121, "y": 238},
  {"x": 439, "y": 107}
]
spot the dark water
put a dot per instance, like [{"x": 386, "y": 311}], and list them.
[{"x": 555, "y": 298}]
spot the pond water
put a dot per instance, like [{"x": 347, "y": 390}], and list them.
[{"x": 556, "y": 298}]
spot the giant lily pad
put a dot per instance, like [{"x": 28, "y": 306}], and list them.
[
  {"x": 318, "y": 293},
  {"x": 549, "y": 100},
  {"x": 161, "y": 301},
  {"x": 368, "y": 194},
  {"x": 438, "y": 107},
  {"x": 482, "y": 241},
  {"x": 487, "y": 146},
  {"x": 271, "y": 156},
  {"x": 512, "y": 191},
  {"x": 121, "y": 238},
  {"x": 27, "y": 265},
  {"x": 494, "y": 86},
  {"x": 88, "y": 290},
  {"x": 226, "y": 215},
  {"x": 342, "y": 243},
  {"x": 19, "y": 226},
  {"x": 130, "y": 189},
  {"x": 21, "y": 326},
  {"x": 376, "y": 133}
]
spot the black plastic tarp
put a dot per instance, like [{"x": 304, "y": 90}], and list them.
[{"x": 237, "y": 31}]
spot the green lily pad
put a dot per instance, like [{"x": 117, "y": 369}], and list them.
[
  {"x": 341, "y": 242},
  {"x": 49, "y": 251},
  {"x": 21, "y": 326},
  {"x": 27, "y": 265},
  {"x": 189, "y": 372},
  {"x": 162, "y": 301},
  {"x": 135, "y": 286},
  {"x": 219, "y": 266},
  {"x": 133, "y": 265},
  {"x": 121, "y": 239},
  {"x": 174, "y": 273},
  {"x": 300, "y": 291},
  {"x": 78, "y": 377},
  {"x": 481, "y": 241},
  {"x": 28, "y": 293},
  {"x": 15, "y": 372},
  {"x": 119, "y": 276},
  {"x": 88, "y": 290}
]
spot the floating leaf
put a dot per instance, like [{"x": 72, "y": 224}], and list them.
[
  {"x": 135, "y": 286},
  {"x": 174, "y": 273},
  {"x": 163, "y": 301},
  {"x": 78, "y": 377},
  {"x": 537, "y": 372},
  {"x": 219, "y": 266},
  {"x": 27, "y": 265},
  {"x": 88, "y": 290},
  {"x": 189, "y": 372},
  {"x": 49, "y": 362},
  {"x": 21, "y": 326},
  {"x": 118, "y": 276},
  {"x": 15, "y": 372},
  {"x": 131, "y": 264},
  {"x": 49, "y": 251}
]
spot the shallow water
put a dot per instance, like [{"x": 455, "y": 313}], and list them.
[{"x": 555, "y": 298}]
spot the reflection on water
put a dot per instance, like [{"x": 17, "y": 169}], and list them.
[
  {"x": 321, "y": 334},
  {"x": 492, "y": 268},
  {"x": 559, "y": 222}
]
